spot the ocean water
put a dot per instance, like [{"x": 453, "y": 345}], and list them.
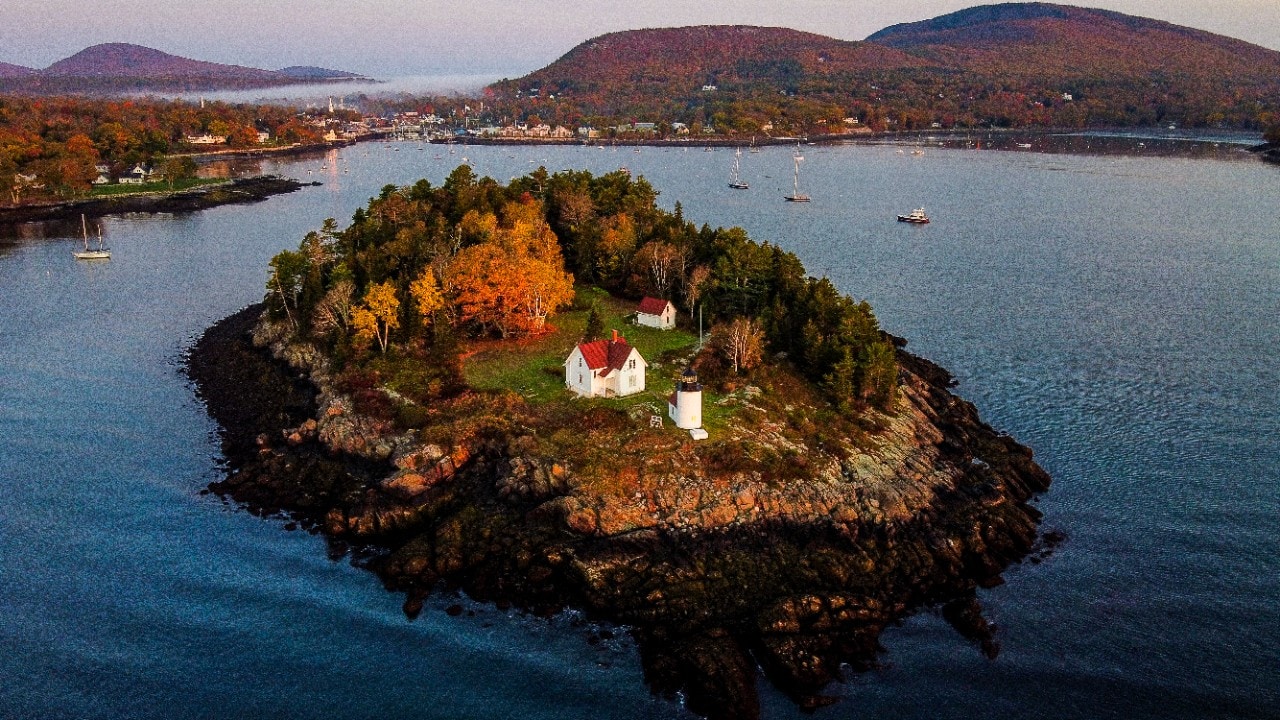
[{"x": 1120, "y": 314}]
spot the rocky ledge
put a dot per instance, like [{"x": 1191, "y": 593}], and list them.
[{"x": 716, "y": 568}]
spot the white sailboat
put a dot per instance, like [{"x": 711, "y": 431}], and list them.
[
  {"x": 735, "y": 179},
  {"x": 796, "y": 195},
  {"x": 101, "y": 253}
]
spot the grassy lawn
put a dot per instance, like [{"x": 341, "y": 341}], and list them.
[
  {"x": 162, "y": 186},
  {"x": 535, "y": 367}
]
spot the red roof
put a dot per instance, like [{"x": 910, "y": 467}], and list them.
[
  {"x": 606, "y": 354},
  {"x": 653, "y": 306}
]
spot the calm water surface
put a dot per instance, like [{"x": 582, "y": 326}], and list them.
[{"x": 1120, "y": 314}]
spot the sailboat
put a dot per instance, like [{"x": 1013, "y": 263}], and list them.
[
  {"x": 754, "y": 149},
  {"x": 735, "y": 180},
  {"x": 101, "y": 253},
  {"x": 795, "y": 195}
]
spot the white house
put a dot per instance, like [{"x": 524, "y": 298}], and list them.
[
  {"x": 137, "y": 176},
  {"x": 684, "y": 406},
  {"x": 605, "y": 368},
  {"x": 657, "y": 313},
  {"x": 207, "y": 139}
]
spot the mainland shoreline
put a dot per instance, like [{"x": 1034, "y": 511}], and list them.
[{"x": 231, "y": 192}]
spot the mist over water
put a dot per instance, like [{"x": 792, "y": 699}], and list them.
[
  {"x": 1117, "y": 313},
  {"x": 318, "y": 94}
]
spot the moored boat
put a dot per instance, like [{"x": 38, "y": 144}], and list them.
[
  {"x": 796, "y": 195},
  {"x": 100, "y": 253},
  {"x": 735, "y": 178},
  {"x": 916, "y": 216}
]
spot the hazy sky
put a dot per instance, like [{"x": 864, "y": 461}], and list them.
[{"x": 386, "y": 38}]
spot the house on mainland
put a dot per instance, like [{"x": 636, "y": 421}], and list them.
[
  {"x": 605, "y": 368},
  {"x": 139, "y": 175},
  {"x": 657, "y": 313}
]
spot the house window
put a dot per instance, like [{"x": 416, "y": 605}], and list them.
[
  {"x": 579, "y": 378},
  {"x": 631, "y": 379},
  {"x": 579, "y": 362},
  {"x": 631, "y": 365}
]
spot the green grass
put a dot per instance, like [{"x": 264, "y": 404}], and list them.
[
  {"x": 118, "y": 189},
  {"x": 535, "y": 367}
]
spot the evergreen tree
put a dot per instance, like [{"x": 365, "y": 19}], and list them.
[{"x": 595, "y": 325}]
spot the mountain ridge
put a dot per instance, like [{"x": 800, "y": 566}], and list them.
[
  {"x": 9, "y": 70},
  {"x": 139, "y": 61},
  {"x": 1013, "y": 64},
  {"x": 1026, "y": 34},
  {"x": 127, "y": 66}
]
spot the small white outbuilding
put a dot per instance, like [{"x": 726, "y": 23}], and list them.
[{"x": 655, "y": 312}]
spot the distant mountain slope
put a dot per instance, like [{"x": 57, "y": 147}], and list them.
[
  {"x": 13, "y": 71},
  {"x": 124, "y": 67},
  {"x": 712, "y": 54},
  {"x": 1017, "y": 64},
  {"x": 644, "y": 73},
  {"x": 1041, "y": 39},
  {"x": 311, "y": 72},
  {"x": 136, "y": 61}
]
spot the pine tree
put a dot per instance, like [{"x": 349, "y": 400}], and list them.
[{"x": 595, "y": 325}]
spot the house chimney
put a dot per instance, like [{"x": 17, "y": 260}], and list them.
[{"x": 615, "y": 336}]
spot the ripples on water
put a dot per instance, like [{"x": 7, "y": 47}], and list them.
[{"x": 1118, "y": 313}]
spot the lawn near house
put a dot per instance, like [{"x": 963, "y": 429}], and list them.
[
  {"x": 534, "y": 367},
  {"x": 161, "y": 186}
]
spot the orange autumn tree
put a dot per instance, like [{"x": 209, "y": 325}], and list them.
[{"x": 513, "y": 279}]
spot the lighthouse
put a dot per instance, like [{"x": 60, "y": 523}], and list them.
[{"x": 684, "y": 406}]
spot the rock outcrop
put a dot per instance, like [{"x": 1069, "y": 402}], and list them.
[{"x": 715, "y": 569}]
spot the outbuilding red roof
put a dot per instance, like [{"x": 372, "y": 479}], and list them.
[
  {"x": 652, "y": 306},
  {"x": 606, "y": 354}
]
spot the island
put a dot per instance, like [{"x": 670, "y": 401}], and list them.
[{"x": 553, "y": 394}]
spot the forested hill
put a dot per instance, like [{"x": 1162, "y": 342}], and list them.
[
  {"x": 712, "y": 55},
  {"x": 112, "y": 67},
  {"x": 1057, "y": 41},
  {"x": 1017, "y": 64},
  {"x": 647, "y": 74},
  {"x": 7, "y": 70}
]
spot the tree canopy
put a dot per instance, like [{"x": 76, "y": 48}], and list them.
[{"x": 484, "y": 260}]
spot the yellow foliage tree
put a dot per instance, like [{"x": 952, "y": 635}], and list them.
[
  {"x": 378, "y": 315},
  {"x": 426, "y": 295},
  {"x": 617, "y": 244},
  {"x": 478, "y": 227}
]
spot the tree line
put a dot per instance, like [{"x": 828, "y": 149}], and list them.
[
  {"x": 50, "y": 147},
  {"x": 422, "y": 267}
]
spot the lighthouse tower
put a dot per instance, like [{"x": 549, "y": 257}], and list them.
[{"x": 684, "y": 406}]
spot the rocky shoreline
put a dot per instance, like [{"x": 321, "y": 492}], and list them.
[
  {"x": 234, "y": 192},
  {"x": 714, "y": 574}
]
